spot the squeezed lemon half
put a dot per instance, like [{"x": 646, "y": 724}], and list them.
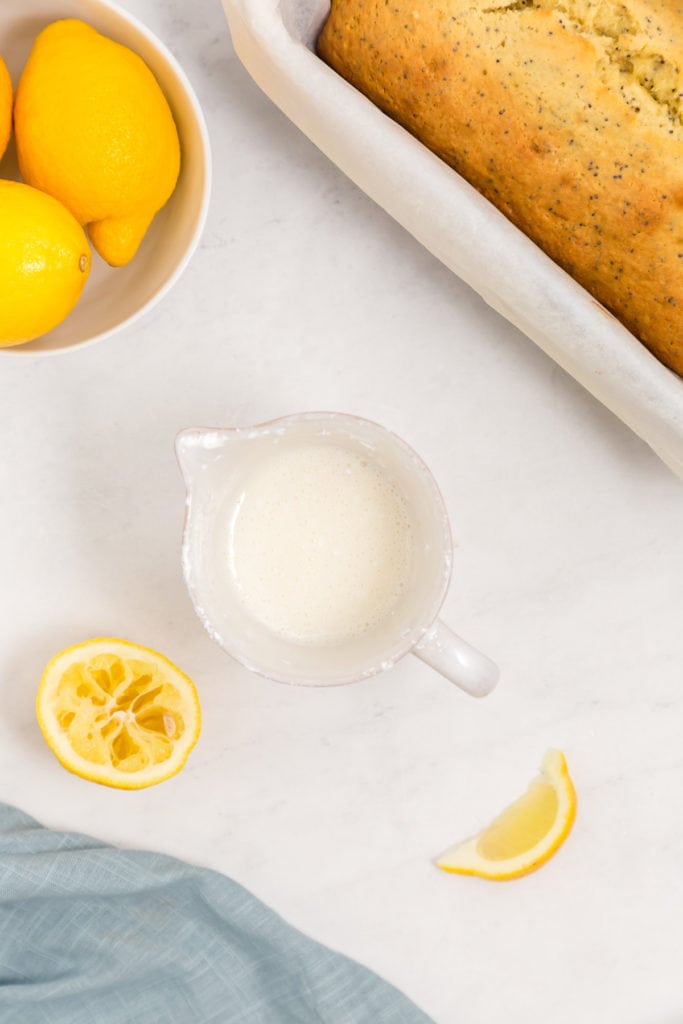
[
  {"x": 526, "y": 834},
  {"x": 117, "y": 713}
]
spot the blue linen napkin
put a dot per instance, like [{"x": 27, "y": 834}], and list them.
[{"x": 90, "y": 934}]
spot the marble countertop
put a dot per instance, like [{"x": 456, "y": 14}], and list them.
[{"x": 331, "y": 804}]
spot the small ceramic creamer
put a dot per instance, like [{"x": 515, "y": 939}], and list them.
[{"x": 317, "y": 550}]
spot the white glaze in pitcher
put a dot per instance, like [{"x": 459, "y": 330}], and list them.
[{"x": 217, "y": 464}]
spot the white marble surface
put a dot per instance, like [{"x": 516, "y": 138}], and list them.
[{"x": 330, "y": 804}]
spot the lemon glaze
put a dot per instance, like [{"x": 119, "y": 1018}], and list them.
[{"x": 320, "y": 543}]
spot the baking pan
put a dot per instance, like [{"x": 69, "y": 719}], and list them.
[{"x": 275, "y": 42}]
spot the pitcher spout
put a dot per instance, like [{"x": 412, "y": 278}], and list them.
[{"x": 198, "y": 448}]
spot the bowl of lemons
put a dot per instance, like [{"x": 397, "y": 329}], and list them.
[{"x": 105, "y": 173}]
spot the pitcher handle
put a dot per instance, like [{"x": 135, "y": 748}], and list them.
[{"x": 457, "y": 660}]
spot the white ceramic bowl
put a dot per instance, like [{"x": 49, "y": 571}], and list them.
[{"x": 114, "y": 298}]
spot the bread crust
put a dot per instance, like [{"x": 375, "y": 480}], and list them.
[{"x": 568, "y": 117}]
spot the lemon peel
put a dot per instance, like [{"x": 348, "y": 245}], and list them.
[{"x": 5, "y": 107}]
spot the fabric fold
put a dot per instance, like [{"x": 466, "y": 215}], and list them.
[{"x": 91, "y": 934}]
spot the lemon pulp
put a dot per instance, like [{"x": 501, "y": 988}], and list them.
[
  {"x": 526, "y": 834},
  {"x": 118, "y": 713}
]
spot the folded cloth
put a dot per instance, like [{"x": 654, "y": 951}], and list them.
[{"x": 90, "y": 934}]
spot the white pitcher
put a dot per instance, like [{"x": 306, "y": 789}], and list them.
[{"x": 215, "y": 463}]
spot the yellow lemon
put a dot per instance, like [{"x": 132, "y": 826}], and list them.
[
  {"x": 117, "y": 713},
  {"x": 44, "y": 262},
  {"x": 526, "y": 834},
  {"x": 94, "y": 129},
  {"x": 5, "y": 107}
]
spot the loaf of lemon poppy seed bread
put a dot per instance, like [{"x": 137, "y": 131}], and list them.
[{"x": 568, "y": 116}]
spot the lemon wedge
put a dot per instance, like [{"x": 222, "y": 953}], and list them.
[
  {"x": 117, "y": 713},
  {"x": 526, "y": 834}
]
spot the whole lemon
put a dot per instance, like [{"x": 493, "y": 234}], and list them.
[
  {"x": 94, "y": 129},
  {"x": 44, "y": 262},
  {"x": 5, "y": 106}
]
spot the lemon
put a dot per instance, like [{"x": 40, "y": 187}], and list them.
[
  {"x": 5, "y": 107},
  {"x": 526, "y": 834},
  {"x": 94, "y": 129},
  {"x": 44, "y": 262},
  {"x": 117, "y": 713}
]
